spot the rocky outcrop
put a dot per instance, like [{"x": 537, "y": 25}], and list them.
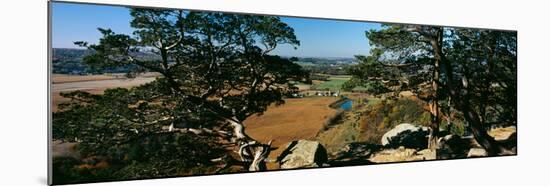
[
  {"x": 406, "y": 135},
  {"x": 303, "y": 154},
  {"x": 402, "y": 154},
  {"x": 477, "y": 152}
]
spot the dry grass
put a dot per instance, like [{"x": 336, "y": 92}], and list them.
[
  {"x": 336, "y": 137},
  {"x": 94, "y": 84},
  {"x": 65, "y": 78},
  {"x": 296, "y": 119}
]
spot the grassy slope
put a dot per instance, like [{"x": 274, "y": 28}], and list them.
[{"x": 368, "y": 121}]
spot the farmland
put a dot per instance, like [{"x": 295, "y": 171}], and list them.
[
  {"x": 296, "y": 119},
  {"x": 94, "y": 84},
  {"x": 333, "y": 83}
]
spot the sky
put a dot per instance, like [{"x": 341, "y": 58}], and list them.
[{"x": 318, "y": 37}]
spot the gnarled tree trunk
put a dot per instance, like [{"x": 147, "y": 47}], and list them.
[
  {"x": 252, "y": 152},
  {"x": 462, "y": 102}
]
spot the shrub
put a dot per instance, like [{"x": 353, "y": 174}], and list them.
[
  {"x": 332, "y": 120},
  {"x": 157, "y": 155},
  {"x": 382, "y": 116}
]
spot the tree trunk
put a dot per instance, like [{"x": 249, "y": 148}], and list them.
[
  {"x": 462, "y": 103},
  {"x": 480, "y": 134},
  {"x": 434, "y": 125},
  {"x": 250, "y": 151},
  {"x": 434, "y": 104}
]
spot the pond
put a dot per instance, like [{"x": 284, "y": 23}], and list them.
[{"x": 347, "y": 105}]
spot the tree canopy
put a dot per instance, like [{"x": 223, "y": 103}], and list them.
[
  {"x": 216, "y": 70},
  {"x": 472, "y": 71}
]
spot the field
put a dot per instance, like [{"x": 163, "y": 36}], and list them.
[
  {"x": 296, "y": 119},
  {"x": 334, "y": 83},
  {"x": 94, "y": 84}
]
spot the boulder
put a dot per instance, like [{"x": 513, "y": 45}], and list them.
[
  {"x": 303, "y": 154},
  {"x": 477, "y": 152},
  {"x": 452, "y": 146},
  {"x": 406, "y": 135}
]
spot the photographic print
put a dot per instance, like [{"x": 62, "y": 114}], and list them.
[{"x": 141, "y": 93}]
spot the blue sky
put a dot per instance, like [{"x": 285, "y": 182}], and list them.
[{"x": 318, "y": 37}]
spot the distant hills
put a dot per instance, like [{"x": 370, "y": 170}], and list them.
[{"x": 69, "y": 61}]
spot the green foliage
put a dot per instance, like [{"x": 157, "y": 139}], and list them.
[
  {"x": 457, "y": 127},
  {"x": 487, "y": 61},
  {"x": 425, "y": 118},
  {"x": 159, "y": 155},
  {"x": 368, "y": 75},
  {"x": 168, "y": 154},
  {"x": 215, "y": 68},
  {"x": 471, "y": 71}
]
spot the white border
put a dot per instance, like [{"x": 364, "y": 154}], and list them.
[{"x": 23, "y": 104}]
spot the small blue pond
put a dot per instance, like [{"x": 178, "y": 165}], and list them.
[{"x": 347, "y": 105}]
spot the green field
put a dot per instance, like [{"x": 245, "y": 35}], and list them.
[{"x": 334, "y": 83}]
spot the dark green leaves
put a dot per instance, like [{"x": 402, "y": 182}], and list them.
[{"x": 213, "y": 66}]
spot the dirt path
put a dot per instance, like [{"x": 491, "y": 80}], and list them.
[{"x": 296, "y": 119}]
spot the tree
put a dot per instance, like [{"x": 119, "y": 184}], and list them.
[
  {"x": 216, "y": 71},
  {"x": 468, "y": 70},
  {"x": 404, "y": 58},
  {"x": 482, "y": 82}
]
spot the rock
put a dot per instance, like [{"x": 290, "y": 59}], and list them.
[
  {"x": 503, "y": 133},
  {"x": 452, "y": 146},
  {"x": 402, "y": 154},
  {"x": 407, "y": 135},
  {"x": 477, "y": 152},
  {"x": 302, "y": 154}
]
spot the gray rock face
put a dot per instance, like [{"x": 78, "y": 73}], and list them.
[
  {"x": 302, "y": 154},
  {"x": 406, "y": 135},
  {"x": 477, "y": 152}
]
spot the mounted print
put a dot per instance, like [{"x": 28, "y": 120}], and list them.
[{"x": 140, "y": 93}]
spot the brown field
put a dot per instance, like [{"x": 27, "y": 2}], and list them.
[
  {"x": 296, "y": 119},
  {"x": 65, "y": 78},
  {"x": 94, "y": 84}
]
